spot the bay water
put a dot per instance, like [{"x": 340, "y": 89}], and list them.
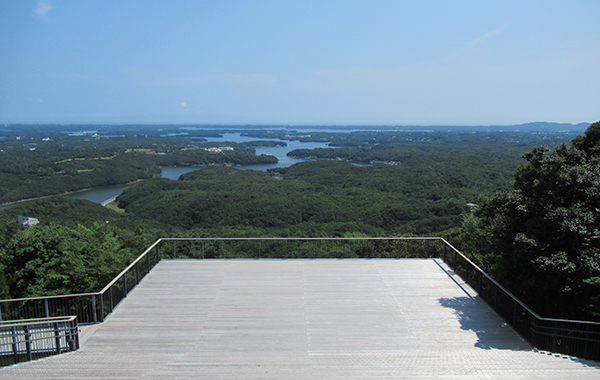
[{"x": 104, "y": 193}]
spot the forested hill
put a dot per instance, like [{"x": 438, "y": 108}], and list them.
[
  {"x": 44, "y": 168},
  {"x": 317, "y": 198},
  {"x": 414, "y": 182}
]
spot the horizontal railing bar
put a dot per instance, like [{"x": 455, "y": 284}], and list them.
[
  {"x": 40, "y": 320},
  {"x": 33, "y": 324},
  {"x": 307, "y": 238},
  {"x": 540, "y": 330},
  {"x": 569, "y": 321},
  {"x": 49, "y": 297},
  {"x": 557, "y": 335}
]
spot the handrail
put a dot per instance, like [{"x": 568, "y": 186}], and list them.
[
  {"x": 492, "y": 280},
  {"x": 120, "y": 275},
  {"x": 570, "y": 321},
  {"x": 35, "y": 321},
  {"x": 51, "y": 297},
  {"x": 25, "y": 340},
  {"x": 308, "y": 238}
]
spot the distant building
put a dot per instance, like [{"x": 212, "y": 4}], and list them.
[
  {"x": 219, "y": 149},
  {"x": 27, "y": 221}
]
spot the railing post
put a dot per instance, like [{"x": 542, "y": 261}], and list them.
[
  {"x": 174, "y": 249},
  {"x": 70, "y": 336},
  {"x": 57, "y": 337},
  {"x": 124, "y": 284},
  {"x": 587, "y": 338},
  {"x": 554, "y": 337},
  {"x": 532, "y": 326},
  {"x": 445, "y": 250},
  {"x": 95, "y": 315},
  {"x": 148, "y": 262},
  {"x": 46, "y": 308},
  {"x": 15, "y": 345},
  {"x": 74, "y": 336},
  {"x": 101, "y": 307},
  {"x": 27, "y": 342}
]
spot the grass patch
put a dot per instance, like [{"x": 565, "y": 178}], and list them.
[{"x": 113, "y": 206}]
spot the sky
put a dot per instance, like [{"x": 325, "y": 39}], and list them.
[{"x": 302, "y": 62}]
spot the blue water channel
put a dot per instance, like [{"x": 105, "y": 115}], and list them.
[{"x": 102, "y": 194}]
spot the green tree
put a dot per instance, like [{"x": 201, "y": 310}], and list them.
[
  {"x": 54, "y": 259},
  {"x": 542, "y": 239}
]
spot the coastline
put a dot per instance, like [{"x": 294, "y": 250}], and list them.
[{"x": 66, "y": 193}]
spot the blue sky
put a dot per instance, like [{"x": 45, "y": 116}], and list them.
[{"x": 299, "y": 62}]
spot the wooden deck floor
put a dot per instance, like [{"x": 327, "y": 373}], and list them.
[{"x": 304, "y": 319}]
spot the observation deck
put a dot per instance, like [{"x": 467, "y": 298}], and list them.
[{"x": 304, "y": 319}]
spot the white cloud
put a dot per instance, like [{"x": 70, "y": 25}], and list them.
[
  {"x": 484, "y": 37},
  {"x": 184, "y": 105},
  {"x": 42, "y": 8}
]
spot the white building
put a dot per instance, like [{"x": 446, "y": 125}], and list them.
[{"x": 27, "y": 221}]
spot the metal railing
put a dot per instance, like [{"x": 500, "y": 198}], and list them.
[
  {"x": 29, "y": 339},
  {"x": 577, "y": 338},
  {"x": 87, "y": 307},
  {"x": 570, "y": 337}
]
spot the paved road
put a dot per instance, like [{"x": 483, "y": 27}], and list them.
[{"x": 304, "y": 319}]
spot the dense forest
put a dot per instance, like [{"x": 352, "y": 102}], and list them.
[
  {"x": 38, "y": 161},
  {"x": 64, "y": 164},
  {"x": 527, "y": 218}
]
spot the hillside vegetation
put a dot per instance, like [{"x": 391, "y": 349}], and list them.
[{"x": 542, "y": 239}]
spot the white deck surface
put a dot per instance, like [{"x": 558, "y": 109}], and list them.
[{"x": 304, "y": 319}]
